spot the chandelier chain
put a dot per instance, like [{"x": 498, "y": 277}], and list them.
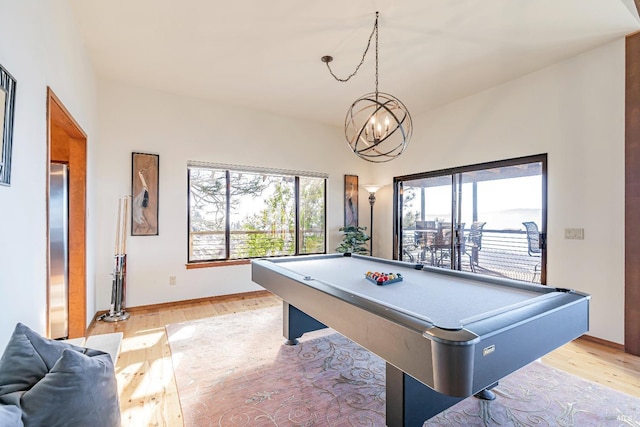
[
  {"x": 378, "y": 126},
  {"x": 374, "y": 31}
]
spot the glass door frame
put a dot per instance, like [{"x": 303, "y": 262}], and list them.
[{"x": 457, "y": 172}]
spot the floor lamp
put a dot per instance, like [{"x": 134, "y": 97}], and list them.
[{"x": 372, "y": 188}]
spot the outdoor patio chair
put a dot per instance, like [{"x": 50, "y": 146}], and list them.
[
  {"x": 533, "y": 244},
  {"x": 418, "y": 235},
  {"x": 425, "y": 235},
  {"x": 441, "y": 246},
  {"x": 473, "y": 243},
  {"x": 410, "y": 248}
]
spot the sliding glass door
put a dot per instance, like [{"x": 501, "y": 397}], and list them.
[{"x": 485, "y": 219}]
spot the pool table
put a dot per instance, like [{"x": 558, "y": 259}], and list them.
[{"x": 445, "y": 335}]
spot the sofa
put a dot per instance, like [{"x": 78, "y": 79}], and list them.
[{"x": 52, "y": 383}]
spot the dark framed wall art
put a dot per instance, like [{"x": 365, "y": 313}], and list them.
[
  {"x": 7, "y": 106},
  {"x": 350, "y": 200},
  {"x": 144, "y": 191}
]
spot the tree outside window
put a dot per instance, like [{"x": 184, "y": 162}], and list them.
[{"x": 235, "y": 214}]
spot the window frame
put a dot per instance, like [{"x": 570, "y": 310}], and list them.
[
  {"x": 454, "y": 171},
  {"x": 228, "y": 170}
]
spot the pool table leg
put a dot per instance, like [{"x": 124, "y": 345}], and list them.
[
  {"x": 410, "y": 403},
  {"x": 297, "y": 323}
]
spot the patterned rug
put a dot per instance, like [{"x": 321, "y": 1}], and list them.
[{"x": 234, "y": 370}]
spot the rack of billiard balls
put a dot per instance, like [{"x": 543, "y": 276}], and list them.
[{"x": 383, "y": 278}]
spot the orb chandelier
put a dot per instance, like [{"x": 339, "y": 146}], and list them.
[{"x": 378, "y": 125}]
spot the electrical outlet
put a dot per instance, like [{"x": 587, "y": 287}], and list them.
[
  {"x": 172, "y": 280},
  {"x": 574, "y": 233}
]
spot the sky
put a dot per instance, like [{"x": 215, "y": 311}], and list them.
[{"x": 502, "y": 203}]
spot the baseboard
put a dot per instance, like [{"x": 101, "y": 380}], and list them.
[
  {"x": 214, "y": 299},
  {"x": 610, "y": 344}
]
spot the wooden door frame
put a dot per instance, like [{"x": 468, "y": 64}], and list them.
[
  {"x": 632, "y": 197},
  {"x": 67, "y": 143},
  {"x": 632, "y": 194}
]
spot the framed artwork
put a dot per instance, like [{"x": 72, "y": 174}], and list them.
[
  {"x": 144, "y": 192},
  {"x": 350, "y": 200},
  {"x": 7, "y": 104}
]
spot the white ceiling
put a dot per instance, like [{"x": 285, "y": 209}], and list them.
[{"x": 266, "y": 54}]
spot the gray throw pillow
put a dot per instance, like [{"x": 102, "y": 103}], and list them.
[
  {"x": 27, "y": 359},
  {"x": 10, "y": 416},
  {"x": 57, "y": 384},
  {"x": 78, "y": 391}
]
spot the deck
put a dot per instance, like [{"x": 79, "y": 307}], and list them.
[{"x": 503, "y": 254}]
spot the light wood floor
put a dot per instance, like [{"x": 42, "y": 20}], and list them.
[{"x": 148, "y": 395}]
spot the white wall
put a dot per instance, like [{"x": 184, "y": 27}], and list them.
[
  {"x": 39, "y": 47},
  {"x": 180, "y": 129},
  {"x": 574, "y": 111}
]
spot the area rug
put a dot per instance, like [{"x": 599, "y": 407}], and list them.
[{"x": 235, "y": 370}]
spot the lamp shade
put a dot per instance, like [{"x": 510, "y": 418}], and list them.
[{"x": 372, "y": 188}]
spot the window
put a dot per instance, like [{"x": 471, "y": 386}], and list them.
[
  {"x": 484, "y": 219},
  {"x": 242, "y": 212}
]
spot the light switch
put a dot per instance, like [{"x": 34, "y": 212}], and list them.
[{"x": 574, "y": 233}]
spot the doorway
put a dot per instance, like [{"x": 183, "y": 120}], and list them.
[
  {"x": 486, "y": 219},
  {"x": 67, "y": 145}
]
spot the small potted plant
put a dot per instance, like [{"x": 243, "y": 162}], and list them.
[{"x": 354, "y": 240}]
